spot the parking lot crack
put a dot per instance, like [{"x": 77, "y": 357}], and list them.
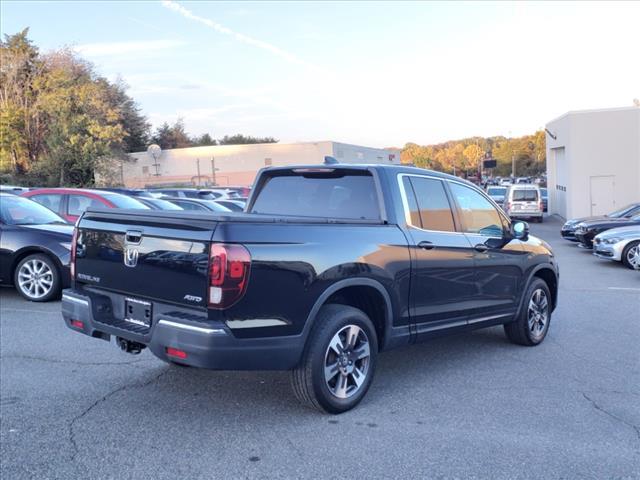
[
  {"x": 71, "y": 362},
  {"x": 104, "y": 398},
  {"x": 612, "y": 415}
]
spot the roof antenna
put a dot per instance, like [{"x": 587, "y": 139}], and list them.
[{"x": 330, "y": 160}]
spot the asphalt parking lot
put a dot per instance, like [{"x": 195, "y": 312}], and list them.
[{"x": 471, "y": 406}]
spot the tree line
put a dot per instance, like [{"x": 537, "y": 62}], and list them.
[
  {"x": 174, "y": 136},
  {"x": 61, "y": 123},
  {"x": 463, "y": 157}
]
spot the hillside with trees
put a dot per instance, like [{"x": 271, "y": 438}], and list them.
[{"x": 462, "y": 157}]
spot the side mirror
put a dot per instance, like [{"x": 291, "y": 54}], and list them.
[{"x": 520, "y": 230}]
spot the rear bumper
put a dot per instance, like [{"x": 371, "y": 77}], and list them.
[
  {"x": 208, "y": 344},
  {"x": 525, "y": 214}
]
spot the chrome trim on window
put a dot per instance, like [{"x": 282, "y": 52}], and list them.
[
  {"x": 405, "y": 203},
  {"x": 407, "y": 212}
]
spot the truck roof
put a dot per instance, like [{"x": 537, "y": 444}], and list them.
[{"x": 373, "y": 166}]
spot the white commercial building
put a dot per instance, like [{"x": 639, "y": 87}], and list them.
[
  {"x": 238, "y": 164},
  {"x": 593, "y": 161}
]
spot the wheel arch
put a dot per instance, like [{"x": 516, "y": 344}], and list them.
[
  {"x": 366, "y": 294},
  {"x": 547, "y": 273}
]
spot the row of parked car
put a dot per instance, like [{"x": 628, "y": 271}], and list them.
[
  {"x": 36, "y": 226},
  {"x": 615, "y": 236}
]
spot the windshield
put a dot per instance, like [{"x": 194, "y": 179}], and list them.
[
  {"x": 122, "y": 201},
  {"x": 624, "y": 211},
  {"x": 496, "y": 191},
  {"x": 21, "y": 211},
  {"x": 525, "y": 195}
]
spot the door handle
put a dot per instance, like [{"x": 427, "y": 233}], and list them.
[
  {"x": 425, "y": 245},
  {"x": 481, "y": 247}
]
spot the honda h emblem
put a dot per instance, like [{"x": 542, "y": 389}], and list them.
[{"x": 131, "y": 257}]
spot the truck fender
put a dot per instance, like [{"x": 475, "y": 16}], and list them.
[
  {"x": 350, "y": 282},
  {"x": 532, "y": 273}
]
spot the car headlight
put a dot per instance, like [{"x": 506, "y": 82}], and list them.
[
  {"x": 66, "y": 245},
  {"x": 612, "y": 240}
]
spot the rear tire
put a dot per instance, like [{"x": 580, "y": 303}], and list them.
[
  {"x": 631, "y": 255},
  {"x": 339, "y": 361},
  {"x": 37, "y": 278},
  {"x": 532, "y": 324}
]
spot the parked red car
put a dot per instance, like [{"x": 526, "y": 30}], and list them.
[{"x": 69, "y": 203}]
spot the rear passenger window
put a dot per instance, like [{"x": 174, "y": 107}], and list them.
[
  {"x": 433, "y": 205},
  {"x": 51, "y": 201},
  {"x": 79, "y": 203},
  {"x": 478, "y": 214}
]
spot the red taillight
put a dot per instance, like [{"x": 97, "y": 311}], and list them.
[
  {"x": 229, "y": 266},
  {"x": 74, "y": 244},
  {"x": 174, "y": 352},
  {"x": 77, "y": 324}
]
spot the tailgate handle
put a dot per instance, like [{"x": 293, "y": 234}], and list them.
[{"x": 133, "y": 236}]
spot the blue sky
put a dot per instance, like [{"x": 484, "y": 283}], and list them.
[{"x": 373, "y": 73}]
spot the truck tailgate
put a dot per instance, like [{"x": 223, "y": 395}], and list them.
[{"x": 145, "y": 255}]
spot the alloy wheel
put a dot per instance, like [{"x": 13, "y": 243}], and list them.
[
  {"x": 35, "y": 278},
  {"x": 633, "y": 257},
  {"x": 346, "y": 362},
  {"x": 538, "y": 313}
]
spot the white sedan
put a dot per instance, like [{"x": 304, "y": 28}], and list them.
[{"x": 620, "y": 244}]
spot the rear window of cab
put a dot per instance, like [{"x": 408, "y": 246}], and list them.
[{"x": 325, "y": 193}]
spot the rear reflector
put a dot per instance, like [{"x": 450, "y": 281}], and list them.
[
  {"x": 174, "y": 352},
  {"x": 77, "y": 324}
]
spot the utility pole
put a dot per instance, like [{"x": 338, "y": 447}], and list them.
[
  {"x": 513, "y": 165},
  {"x": 198, "y": 167},
  {"x": 213, "y": 170}
]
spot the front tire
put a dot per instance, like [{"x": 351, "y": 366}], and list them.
[
  {"x": 37, "y": 278},
  {"x": 532, "y": 324},
  {"x": 339, "y": 361},
  {"x": 631, "y": 255}
]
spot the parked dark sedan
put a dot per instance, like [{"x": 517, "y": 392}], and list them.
[
  {"x": 35, "y": 246},
  {"x": 193, "y": 204},
  {"x": 158, "y": 203},
  {"x": 586, "y": 231},
  {"x": 569, "y": 228}
]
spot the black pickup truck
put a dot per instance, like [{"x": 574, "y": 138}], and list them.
[{"x": 328, "y": 266}]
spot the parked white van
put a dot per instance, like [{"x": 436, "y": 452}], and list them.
[{"x": 523, "y": 201}]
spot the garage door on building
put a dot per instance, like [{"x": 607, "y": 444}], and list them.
[
  {"x": 562, "y": 174},
  {"x": 602, "y": 194}
]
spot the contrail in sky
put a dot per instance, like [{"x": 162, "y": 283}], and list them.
[{"x": 288, "y": 56}]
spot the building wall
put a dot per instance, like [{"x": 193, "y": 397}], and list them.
[
  {"x": 238, "y": 164},
  {"x": 597, "y": 143}
]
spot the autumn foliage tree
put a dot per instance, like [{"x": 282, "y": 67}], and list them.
[
  {"x": 60, "y": 122},
  {"x": 463, "y": 157}
]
